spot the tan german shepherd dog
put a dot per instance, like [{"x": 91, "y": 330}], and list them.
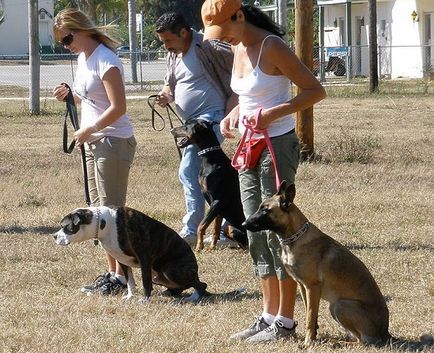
[{"x": 325, "y": 269}]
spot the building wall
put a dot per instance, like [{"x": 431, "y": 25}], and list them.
[
  {"x": 14, "y": 36},
  {"x": 400, "y": 39}
]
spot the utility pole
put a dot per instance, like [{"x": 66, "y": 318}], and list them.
[
  {"x": 133, "y": 40},
  {"x": 303, "y": 50},
  {"x": 373, "y": 52},
  {"x": 282, "y": 15},
  {"x": 34, "y": 58}
]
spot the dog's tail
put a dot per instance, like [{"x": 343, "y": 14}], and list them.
[{"x": 425, "y": 341}]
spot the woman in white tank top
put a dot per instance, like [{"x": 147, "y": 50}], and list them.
[{"x": 264, "y": 68}]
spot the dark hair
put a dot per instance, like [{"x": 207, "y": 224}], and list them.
[
  {"x": 173, "y": 22},
  {"x": 260, "y": 19}
]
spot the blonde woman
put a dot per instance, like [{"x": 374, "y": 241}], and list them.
[{"x": 105, "y": 128}]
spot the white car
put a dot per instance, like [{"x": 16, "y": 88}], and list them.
[{"x": 123, "y": 50}]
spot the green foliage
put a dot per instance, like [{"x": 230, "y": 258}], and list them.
[
  {"x": 189, "y": 9},
  {"x": 116, "y": 12}
]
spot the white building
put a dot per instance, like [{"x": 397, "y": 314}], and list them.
[
  {"x": 14, "y": 32},
  {"x": 405, "y": 30}
]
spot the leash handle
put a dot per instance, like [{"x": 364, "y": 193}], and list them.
[
  {"x": 71, "y": 111},
  {"x": 169, "y": 110},
  {"x": 251, "y": 129}
]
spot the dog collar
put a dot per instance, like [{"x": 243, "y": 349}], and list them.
[
  {"x": 97, "y": 215},
  {"x": 209, "y": 149},
  {"x": 296, "y": 235}
]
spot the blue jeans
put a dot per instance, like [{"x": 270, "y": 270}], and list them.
[{"x": 189, "y": 177}]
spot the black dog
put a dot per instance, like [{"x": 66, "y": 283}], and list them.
[
  {"x": 136, "y": 240},
  {"x": 218, "y": 180}
]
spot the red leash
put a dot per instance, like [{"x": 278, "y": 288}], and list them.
[{"x": 239, "y": 162}]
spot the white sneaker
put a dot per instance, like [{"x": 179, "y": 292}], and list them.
[
  {"x": 272, "y": 333},
  {"x": 222, "y": 243}
]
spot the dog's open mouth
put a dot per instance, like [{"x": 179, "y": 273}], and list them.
[{"x": 185, "y": 141}]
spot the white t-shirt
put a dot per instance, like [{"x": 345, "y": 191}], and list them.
[{"x": 89, "y": 87}]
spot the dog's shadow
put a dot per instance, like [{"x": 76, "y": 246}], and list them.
[
  {"x": 215, "y": 298},
  {"x": 393, "y": 344},
  {"x": 18, "y": 229}
]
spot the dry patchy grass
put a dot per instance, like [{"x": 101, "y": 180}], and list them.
[{"x": 381, "y": 208}]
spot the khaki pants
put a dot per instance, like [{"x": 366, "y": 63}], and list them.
[{"x": 108, "y": 164}]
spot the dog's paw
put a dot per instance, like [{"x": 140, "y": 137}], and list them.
[
  {"x": 144, "y": 300},
  {"x": 128, "y": 297},
  {"x": 308, "y": 343}
]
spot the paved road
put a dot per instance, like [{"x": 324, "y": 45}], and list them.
[{"x": 51, "y": 75}]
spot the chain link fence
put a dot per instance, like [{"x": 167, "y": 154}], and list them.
[
  {"x": 57, "y": 68},
  {"x": 344, "y": 64},
  {"x": 331, "y": 65}
]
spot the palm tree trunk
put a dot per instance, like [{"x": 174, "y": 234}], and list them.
[
  {"x": 373, "y": 61},
  {"x": 133, "y": 40}
]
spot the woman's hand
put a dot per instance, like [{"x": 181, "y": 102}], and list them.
[
  {"x": 82, "y": 135},
  {"x": 229, "y": 123},
  {"x": 263, "y": 120},
  {"x": 60, "y": 92}
]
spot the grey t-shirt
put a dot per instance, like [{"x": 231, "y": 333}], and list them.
[{"x": 194, "y": 94}]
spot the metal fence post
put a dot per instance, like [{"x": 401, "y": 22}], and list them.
[{"x": 379, "y": 62}]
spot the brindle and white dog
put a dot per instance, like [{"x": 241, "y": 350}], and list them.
[{"x": 136, "y": 240}]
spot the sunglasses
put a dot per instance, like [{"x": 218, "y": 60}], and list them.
[{"x": 67, "y": 40}]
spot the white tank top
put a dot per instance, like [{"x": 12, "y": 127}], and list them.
[{"x": 260, "y": 90}]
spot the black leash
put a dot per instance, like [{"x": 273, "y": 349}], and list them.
[
  {"x": 169, "y": 113},
  {"x": 71, "y": 111}
]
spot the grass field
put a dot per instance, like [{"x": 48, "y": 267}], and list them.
[{"x": 371, "y": 189}]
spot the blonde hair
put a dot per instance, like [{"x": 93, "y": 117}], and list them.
[{"x": 76, "y": 20}]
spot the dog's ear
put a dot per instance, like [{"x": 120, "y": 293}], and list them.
[
  {"x": 75, "y": 219},
  {"x": 82, "y": 216},
  {"x": 290, "y": 193},
  {"x": 282, "y": 188},
  {"x": 287, "y": 195},
  {"x": 65, "y": 221}
]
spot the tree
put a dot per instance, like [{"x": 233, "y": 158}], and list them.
[
  {"x": 189, "y": 9},
  {"x": 304, "y": 46},
  {"x": 2, "y": 12},
  {"x": 373, "y": 61},
  {"x": 100, "y": 11},
  {"x": 34, "y": 59},
  {"x": 133, "y": 39}
]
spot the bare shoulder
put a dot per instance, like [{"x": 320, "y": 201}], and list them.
[{"x": 275, "y": 47}]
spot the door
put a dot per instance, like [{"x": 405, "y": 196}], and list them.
[{"x": 357, "y": 57}]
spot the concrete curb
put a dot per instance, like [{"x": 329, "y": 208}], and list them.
[{"x": 52, "y": 98}]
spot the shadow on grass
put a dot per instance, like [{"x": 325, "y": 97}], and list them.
[
  {"x": 232, "y": 296},
  {"x": 16, "y": 229},
  {"x": 394, "y": 246},
  {"x": 396, "y": 344}
]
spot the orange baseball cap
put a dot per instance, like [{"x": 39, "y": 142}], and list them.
[{"x": 216, "y": 14}]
